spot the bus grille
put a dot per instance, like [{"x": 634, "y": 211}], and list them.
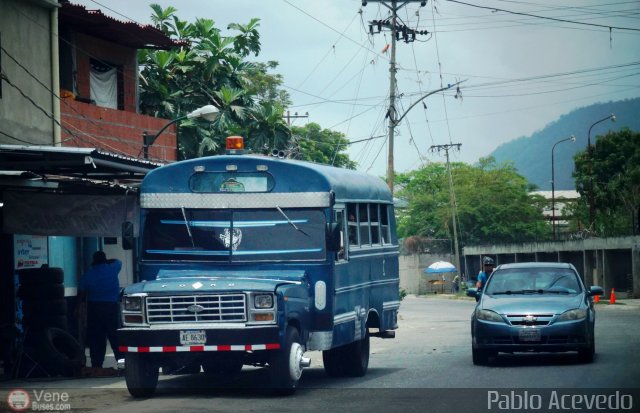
[{"x": 196, "y": 309}]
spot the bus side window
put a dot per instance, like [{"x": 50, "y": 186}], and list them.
[
  {"x": 375, "y": 224},
  {"x": 339, "y": 219},
  {"x": 352, "y": 224},
  {"x": 384, "y": 224},
  {"x": 363, "y": 221}
]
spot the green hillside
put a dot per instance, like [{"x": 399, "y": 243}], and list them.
[{"x": 531, "y": 155}]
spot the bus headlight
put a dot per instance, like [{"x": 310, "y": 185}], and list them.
[
  {"x": 263, "y": 301},
  {"x": 132, "y": 303}
]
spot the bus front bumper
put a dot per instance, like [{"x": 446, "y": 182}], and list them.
[{"x": 191, "y": 338}]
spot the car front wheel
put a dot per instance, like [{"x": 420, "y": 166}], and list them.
[
  {"x": 587, "y": 354},
  {"x": 480, "y": 357}
]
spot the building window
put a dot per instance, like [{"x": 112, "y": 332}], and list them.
[{"x": 105, "y": 82}]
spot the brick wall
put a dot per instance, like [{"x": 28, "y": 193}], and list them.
[
  {"x": 88, "y": 47},
  {"x": 114, "y": 130}
]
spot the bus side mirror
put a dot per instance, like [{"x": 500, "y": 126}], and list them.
[
  {"x": 333, "y": 237},
  {"x": 127, "y": 235}
]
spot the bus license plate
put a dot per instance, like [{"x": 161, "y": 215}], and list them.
[
  {"x": 529, "y": 334},
  {"x": 191, "y": 337}
]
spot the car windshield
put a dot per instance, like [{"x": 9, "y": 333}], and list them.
[
  {"x": 533, "y": 281},
  {"x": 234, "y": 235}
]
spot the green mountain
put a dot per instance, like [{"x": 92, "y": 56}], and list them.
[{"x": 531, "y": 155}]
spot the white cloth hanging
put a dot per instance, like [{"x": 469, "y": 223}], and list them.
[{"x": 104, "y": 88}]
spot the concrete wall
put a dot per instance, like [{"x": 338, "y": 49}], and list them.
[
  {"x": 126, "y": 256},
  {"x": 414, "y": 280},
  {"x": 612, "y": 263},
  {"x": 25, "y": 35}
]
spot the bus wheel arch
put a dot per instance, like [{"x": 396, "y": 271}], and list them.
[{"x": 373, "y": 319}]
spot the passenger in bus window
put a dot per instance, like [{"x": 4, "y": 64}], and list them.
[{"x": 353, "y": 230}]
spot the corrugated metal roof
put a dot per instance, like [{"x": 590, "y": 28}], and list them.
[
  {"x": 73, "y": 162},
  {"x": 127, "y": 33}
]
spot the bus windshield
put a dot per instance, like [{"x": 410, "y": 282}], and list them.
[{"x": 234, "y": 235}]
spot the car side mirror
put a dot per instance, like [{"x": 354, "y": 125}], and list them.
[
  {"x": 595, "y": 290},
  {"x": 472, "y": 292},
  {"x": 127, "y": 235}
]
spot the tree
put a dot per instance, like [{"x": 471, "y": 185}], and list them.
[
  {"x": 312, "y": 143},
  {"x": 608, "y": 174},
  {"x": 214, "y": 69},
  {"x": 493, "y": 201},
  {"x": 211, "y": 68}
]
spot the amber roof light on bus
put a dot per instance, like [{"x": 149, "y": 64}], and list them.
[{"x": 235, "y": 143}]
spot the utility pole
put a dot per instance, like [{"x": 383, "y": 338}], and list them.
[
  {"x": 289, "y": 116},
  {"x": 452, "y": 198},
  {"x": 408, "y": 35}
]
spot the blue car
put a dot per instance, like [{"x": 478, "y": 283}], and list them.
[{"x": 533, "y": 306}]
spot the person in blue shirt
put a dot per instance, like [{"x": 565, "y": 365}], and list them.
[
  {"x": 101, "y": 289},
  {"x": 488, "y": 265}
]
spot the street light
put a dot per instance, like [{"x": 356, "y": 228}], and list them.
[
  {"x": 553, "y": 186},
  {"x": 207, "y": 112},
  {"x": 590, "y": 195},
  {"x": 613, "y": 119}
]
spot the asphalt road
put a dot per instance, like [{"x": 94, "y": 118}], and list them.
[{"x": 426, "y": 368}]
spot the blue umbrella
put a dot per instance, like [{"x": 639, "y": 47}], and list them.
[{"x": 440, "y": 267}]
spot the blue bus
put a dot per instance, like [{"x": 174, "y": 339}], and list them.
[{"x": 254, "y": 260}]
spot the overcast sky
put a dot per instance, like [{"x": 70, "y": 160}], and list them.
[{"x": 520, "y": 72}]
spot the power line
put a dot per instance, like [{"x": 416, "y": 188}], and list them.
[
  {"x": 16, "y": 139},
  {"x": 494, "y": 9},
  {"x": 444, "y": 101},
  {"x": 329, "y": 27},
  {"x": 415, "y": 63},
  {"x": 332, "y": 48},
  {"x": 58, "y": 98}
]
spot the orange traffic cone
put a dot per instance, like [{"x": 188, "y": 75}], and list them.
[
  {"x": 612, "y": 297},
  {"x": 596, "y": 298}
]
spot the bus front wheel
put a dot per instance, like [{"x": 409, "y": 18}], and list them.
[
  {"x": 286, "y": 365},
  {"x": 141, "y": 375}
]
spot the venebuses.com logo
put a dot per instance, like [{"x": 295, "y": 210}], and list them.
[{"x": 20, "y": 400}]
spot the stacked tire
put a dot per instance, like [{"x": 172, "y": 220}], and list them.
[
  {"x": 42, "y": 294},
  {"x": 44, "y": 321}
]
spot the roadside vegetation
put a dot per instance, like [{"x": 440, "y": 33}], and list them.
[
  {"x": 215, "y": 68},
  {"x": 494, "y": 202}
]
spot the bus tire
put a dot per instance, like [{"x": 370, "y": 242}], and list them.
[
  {"x": 44, "y": 307},
  {"x": 141, "y": 375},
  {"x": 284, "y": 369},
  {"x": 333, "y": 361},
  {"x": 40, "y": 276},
  {"x": 34, "y": 292},
  {"x": 58, "y": 352},
  {"x": 356, "y": 357},
  {"x": 42, "y": 322}
]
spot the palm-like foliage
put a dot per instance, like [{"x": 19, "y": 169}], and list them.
[{"x": 211, "y": 70}]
